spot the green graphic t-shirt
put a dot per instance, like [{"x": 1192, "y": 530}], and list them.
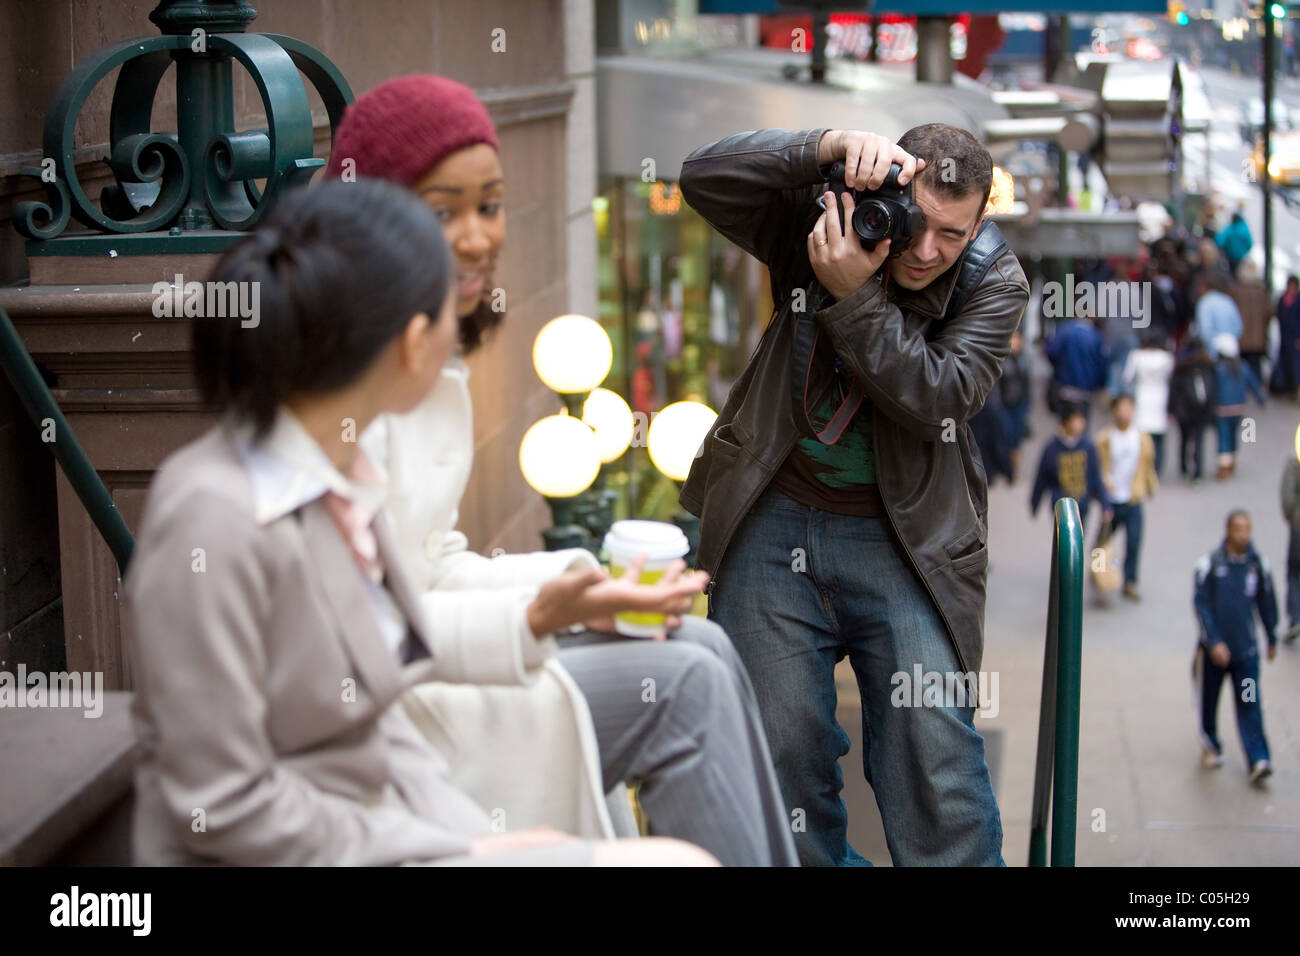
[{"x": 839, "y": 478}]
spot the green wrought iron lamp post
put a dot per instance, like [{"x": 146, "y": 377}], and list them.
[
  {"x": 190, "y": 191},
  {"x": 193, "y": 189}
]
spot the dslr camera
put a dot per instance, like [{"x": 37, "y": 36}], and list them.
[{"x": 889, "y": 212}]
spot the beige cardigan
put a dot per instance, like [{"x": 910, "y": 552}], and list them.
[
  {"x": 265, "y": 690},
  {"x": 1145, "y": 481}
]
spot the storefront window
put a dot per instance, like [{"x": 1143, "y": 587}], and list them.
[{"x": 684, "y": 309}]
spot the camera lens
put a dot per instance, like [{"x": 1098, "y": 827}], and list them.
[{"x": 873, "y": 220}]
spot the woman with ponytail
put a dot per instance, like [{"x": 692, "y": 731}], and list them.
[{"x": 270, "y": 626}]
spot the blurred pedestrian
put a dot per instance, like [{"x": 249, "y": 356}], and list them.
[
  {"x": 1235, "y": 241},
  {"x": 1146, "y": 377},
  {"x": 1126, "y": 456},
  {"x": 1171, "y": 275},
  {"x": 989, "y": 428},
  {"x": 1233, "y": 379},
  {"x": 1015, "y": 389},
  {"x": 1209, "y": 263},
  {"x": 1291, "y": 511},
  {"x": 1078, "y": 357},
  {"x": 1193, "y": 401},
  {"x": 1121, "y": 338},
  {"x": 1069, "y": 467},
  {"x": 1252, "y": 299},
  {"x": 1166, "y": 309},
  {"x": 1233, "y": 583},
  {"x": 1216, "y": 313},
  {"x": 1287, "y": 375},
  {"x": 1207, "y": 219}
]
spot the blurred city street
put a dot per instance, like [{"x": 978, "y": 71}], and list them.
[
  {"x": 1139, "y": 751},
  {"x": 1228, "y": 176}
]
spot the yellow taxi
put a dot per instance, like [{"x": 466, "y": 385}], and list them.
[{"x": 1284, "y": 164}]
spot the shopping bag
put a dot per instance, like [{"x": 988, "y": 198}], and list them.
[{"x": 1103, "y": 566}]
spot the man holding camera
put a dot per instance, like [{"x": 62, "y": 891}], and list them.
[{"x": 841, "y": 498}]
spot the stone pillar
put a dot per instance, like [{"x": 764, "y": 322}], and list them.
[{"x": 933, "y": 50}]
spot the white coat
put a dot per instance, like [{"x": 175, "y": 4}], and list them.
[{"x": 526, "y": 750}]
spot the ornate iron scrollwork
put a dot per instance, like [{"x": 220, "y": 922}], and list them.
[{"x": 203, "y": 175}]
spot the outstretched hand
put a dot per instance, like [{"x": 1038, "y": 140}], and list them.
[{"x": 593, "y": 597}]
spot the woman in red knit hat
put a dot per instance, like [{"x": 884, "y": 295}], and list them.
[{"x": 697, "y": 746}]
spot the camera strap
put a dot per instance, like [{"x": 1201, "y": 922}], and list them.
[{"x": 804, "y": 354}]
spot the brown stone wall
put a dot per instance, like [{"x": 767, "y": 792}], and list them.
[{"x": 529, "y": 89}]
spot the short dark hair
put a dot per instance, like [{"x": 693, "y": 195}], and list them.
[
  {"x": 1154, "y": 338},
  {"x": 1070, "y": 409},
  {"x": 970, "y": 170},
  {"x": 1236, "y": 513},
  {"x": 341, "y": 268},
  {"x": 1121, "y": 397}
]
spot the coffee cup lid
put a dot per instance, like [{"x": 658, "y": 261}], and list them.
[{"x": 657, "y": 540}]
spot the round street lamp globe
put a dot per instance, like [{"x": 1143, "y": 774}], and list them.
[
  {"x": 676, "y": 434},
  {"x": 572, "y": 354},
  {"x": 559, "y": 457},
  {"x": 608, "y": 414}
]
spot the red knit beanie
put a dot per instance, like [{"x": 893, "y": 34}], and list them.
[{"x": 404, "y": 127}]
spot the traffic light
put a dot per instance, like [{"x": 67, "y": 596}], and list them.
[
  {"x": 1277, "y": 11},
  {"x": 1177, "y": 13}
]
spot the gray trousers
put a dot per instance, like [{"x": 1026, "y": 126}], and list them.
[{"x": 680, "y": 718}]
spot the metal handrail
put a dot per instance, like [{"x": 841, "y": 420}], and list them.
[
  {"x": 1056, "y": 772},
  {"x": 39, "y": 402}
]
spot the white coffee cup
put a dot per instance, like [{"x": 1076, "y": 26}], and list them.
[{"x": 662, "y": 544}]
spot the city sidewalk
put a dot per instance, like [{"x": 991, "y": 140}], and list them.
[{"x": 1143, "y": 798}]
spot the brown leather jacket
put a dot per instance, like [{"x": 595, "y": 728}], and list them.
[{"x": 925, "y": 376}]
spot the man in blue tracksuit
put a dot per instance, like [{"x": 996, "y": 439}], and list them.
[{"x": 1232, "y": 583}]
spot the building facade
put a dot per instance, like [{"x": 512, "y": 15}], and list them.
[{"x": 535, "y": 72}]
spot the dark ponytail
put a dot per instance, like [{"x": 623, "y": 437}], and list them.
[{"x": 339, "y": 270}]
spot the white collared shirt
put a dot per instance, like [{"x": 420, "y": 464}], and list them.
[
  {"x": 288, "y": 470},
  {"x": 1125, "y": 455}
]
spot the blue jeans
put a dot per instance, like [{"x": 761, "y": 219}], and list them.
[
  {"x": 1119, "y": 350},
  {"x": 1017, "y": 417},
  {"x": 1158, "y": 440},
  {"x": 1129, "y": 517},
  {"x": 1228, "y": 426},
  {"x": 800, "y": 589}
]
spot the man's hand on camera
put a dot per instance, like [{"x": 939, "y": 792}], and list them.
[
  {"x": 840, "y": 263},
  {"x": 867, "y": 158}
]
